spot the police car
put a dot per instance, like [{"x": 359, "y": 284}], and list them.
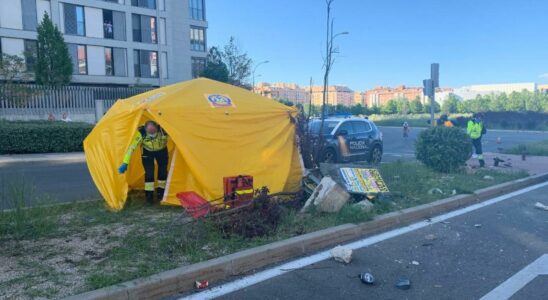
[{"x": 347, "y": 139}]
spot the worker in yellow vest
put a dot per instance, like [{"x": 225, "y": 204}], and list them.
[
  {"x": 476, "y": 130},
  {"x": 153, "y": 140}
]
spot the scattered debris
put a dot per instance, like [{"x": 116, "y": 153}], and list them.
[
  {"x": 435, "y": 191},
  {"x": 454, "y": 192},
  {"x": 416, "y": 263},
  {"x": 201, "y": 284},
  {"x": 430, "y": 237},
  {"x": 327, "y": 197},
  {"x": 541, "y": 206},
  {"x": 477, "y": 225},
  {"x": 497, "y": 161},
  {"x": 364, "y": 205},
  {"x": 342, "y": 254},
  {"x": 403, "y": 283},
  {"x": 367, "y": 278},
  {"x": 445, "y": 222},
  {"x": 427, "y": 244},
  {"x": 487, "y": 177},
  {"x": 438, "y": 285}
]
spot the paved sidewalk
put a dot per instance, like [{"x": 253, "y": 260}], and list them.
[
  {"x": 532, "y": 164},
  {"x": 42, "y": 157}
]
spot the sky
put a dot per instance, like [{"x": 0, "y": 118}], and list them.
[{"x": 390, "y": 42}]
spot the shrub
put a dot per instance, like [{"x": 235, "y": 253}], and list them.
[
  {"x": 443, "y": 149},
  {"x": 42, "y": 137}
]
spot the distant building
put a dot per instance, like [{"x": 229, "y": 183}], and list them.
[
  {"x": 283, "y": 91},
  {"x": 380, "y": 95},
  {"x": 472, "y": 91},
  {"x": 336, "y": 94},
  {"x": 359, "y": 98},
  {"x": 119, "y": 42},
  {"x": 542, "y": 88}
]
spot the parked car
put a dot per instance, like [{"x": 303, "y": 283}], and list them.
[{"x": 347, "y": 140}]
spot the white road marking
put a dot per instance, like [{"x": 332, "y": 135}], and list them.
[
  {"x": 519, "y": 280},
  {"x": 306, "y": 261}
]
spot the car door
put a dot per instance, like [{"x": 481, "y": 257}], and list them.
[
  {"x": 344, "y": 134},
  {"x": 360, "y": 141}
]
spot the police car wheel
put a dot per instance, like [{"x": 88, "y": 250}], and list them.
[{"x": 376, "y": 155}]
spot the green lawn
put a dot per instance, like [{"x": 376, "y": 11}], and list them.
[
  {"x": 61, "y": 250},
  {"x": 535, "y": 148}
]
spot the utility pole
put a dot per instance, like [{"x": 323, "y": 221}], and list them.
[{"x": 429, "y": 88}]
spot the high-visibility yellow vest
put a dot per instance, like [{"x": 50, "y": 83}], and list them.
[
  {"x": 150, "y": 143},
  {"x": 474, "y": 129}
]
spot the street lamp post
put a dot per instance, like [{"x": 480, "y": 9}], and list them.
[{"x": 255, "y": 69}]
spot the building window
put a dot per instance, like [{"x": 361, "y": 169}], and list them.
[
  {"x": 197, "y": 39},
  {"x": 79, "y": 59},
  {"x": 196, "y": 9},
  {"x": 144, "y": 29},
  {"x": 109, "y": 62},
  {"x": 31, "y": 51},
  {"x": 108, "y": 24},
  {"x": 145, "y": 63},
  {"x": 74, "y": 19},
  {"x": 144, "y": 3},
  {"x": 198, "y": 66}
]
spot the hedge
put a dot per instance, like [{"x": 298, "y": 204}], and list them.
[
  {"x": 42, "y": 136},
  {"x": 443, "y": 149}
]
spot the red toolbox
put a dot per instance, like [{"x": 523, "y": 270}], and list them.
[{"x": 238, "y": 190}]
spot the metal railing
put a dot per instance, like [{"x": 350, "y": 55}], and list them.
[{"x": 30, "y": 99}]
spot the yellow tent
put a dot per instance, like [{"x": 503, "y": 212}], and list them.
[{"x": 216, "y": 130}]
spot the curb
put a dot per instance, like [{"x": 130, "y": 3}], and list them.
[
  {"x": 182, "y": 279},
  {"x": 44, "y": 157}
]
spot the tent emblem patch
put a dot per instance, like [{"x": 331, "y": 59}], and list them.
[{"x": 217, "y": 100}]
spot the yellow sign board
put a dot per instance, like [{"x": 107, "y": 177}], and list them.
[{"x": 363, "y": 181}]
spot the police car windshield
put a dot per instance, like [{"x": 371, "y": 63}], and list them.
[{"x": 328, "y": 126}]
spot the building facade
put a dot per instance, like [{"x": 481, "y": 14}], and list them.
[
  {"x": 472, "y": 91},
  {"x": 380, "y": 95},
  {"x": 336, "y": 95},
  {"x": 114, "y": 42},
  {"x": 284, "y": 91}
]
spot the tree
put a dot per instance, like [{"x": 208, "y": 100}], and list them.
[
  {"x": 426, "y": 107},
  {"x": 402, "y": 105},
  {"x": 237, "y": 62},
  {"x": 415, "y": 106},
  {"x": 13, "y": 71},
  {"x": 358, "y": 109},
  {"x": 391, "y": 107},
  {"x": 215, "y": 69},
  {"x": 450, "y": 105},
  {"x": 54, "y": 65}
]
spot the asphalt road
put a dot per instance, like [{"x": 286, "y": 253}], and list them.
[
  {"x": 464, "y": 257},
  {"x": 70, "y": 181}
]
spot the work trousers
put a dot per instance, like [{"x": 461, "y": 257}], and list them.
[
  {"x": 161, "y": 158},
  {"x": 477, "y": 146}
]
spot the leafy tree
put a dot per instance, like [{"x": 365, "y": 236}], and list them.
[
  {"x": 237, "y": 62},
  {"x": 450, "y": 105},
  {"x": 415, "y": 106},
  {"x": 391, "y": 107},
  {"x": 402, "y": 105},
  {"x": 358, "y": 109},
  {"x": 54, "y": 65},
  {"x": 498, "y": 102},
  {"x": 515, "y": 102},
  {"x": 215, "y": 69},
  {"x": 13, "y": 72},
  {"x": 426, "y": 107}
]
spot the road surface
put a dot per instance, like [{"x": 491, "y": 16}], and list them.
[
  {"x": 67, "y": 181},
  {"x": 466, "y": 254}
]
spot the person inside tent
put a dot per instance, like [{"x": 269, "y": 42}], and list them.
[{"x": 153, "y": 140}]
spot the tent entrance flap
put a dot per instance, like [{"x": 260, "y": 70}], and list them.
[{"x": 170, "y": 174}]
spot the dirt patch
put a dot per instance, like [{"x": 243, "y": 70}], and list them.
[{"x": 55, "y": 267}]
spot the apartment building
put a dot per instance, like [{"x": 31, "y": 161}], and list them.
[
  {"x": 114, "y": 42},
  {"x": 336, "y": 94},
  {"x": 283, "y": 91},
  {"x": 380, "y": 95}
]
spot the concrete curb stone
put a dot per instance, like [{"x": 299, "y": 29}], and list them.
[{"x": 183, "y": 278}]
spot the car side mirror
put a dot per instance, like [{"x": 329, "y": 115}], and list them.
[{"x": 342, "y": 132}]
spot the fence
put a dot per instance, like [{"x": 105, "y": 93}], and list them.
[{"x": 32, "y": 102}]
